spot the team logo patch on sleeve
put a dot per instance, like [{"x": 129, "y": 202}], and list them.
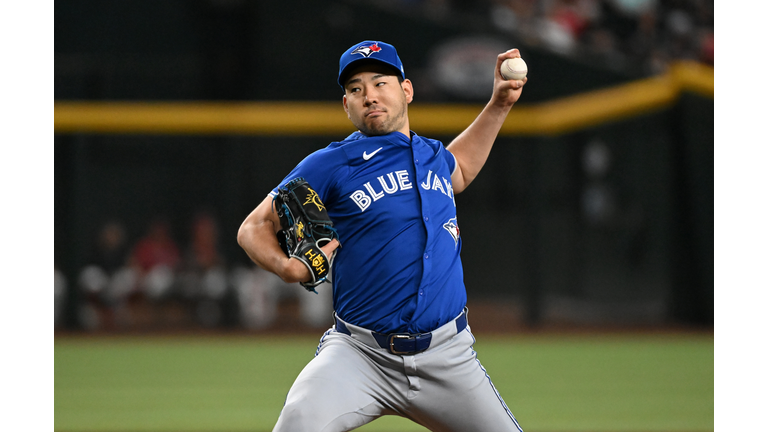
[{"x": 453, "y": 229}]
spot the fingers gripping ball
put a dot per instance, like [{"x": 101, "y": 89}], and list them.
[
  {"x": 305, "y": 228},
  {"x": 514, "y": 69}
]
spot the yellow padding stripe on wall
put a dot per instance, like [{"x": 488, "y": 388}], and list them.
[{"x": 327, "y": 118}]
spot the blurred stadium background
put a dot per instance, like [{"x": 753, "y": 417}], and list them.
[{"x": 174, "y": 118}]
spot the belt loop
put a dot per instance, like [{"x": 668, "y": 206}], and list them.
[
  {"x": 340, "y": 326},
  {"x": 462, "y": 321}
]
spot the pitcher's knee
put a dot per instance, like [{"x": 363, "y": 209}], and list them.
[
  {"x": 297, "y": 417},
  {"x": 300, "y": 417}
]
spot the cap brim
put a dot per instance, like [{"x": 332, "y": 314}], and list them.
[{"x": 352, "y": 66}]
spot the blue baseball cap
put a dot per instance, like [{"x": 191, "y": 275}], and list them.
[{"x": 369, "y": 51}]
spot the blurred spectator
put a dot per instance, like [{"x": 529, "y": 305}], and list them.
[
  {"x": 204, "y": 283},
  {"x": 156, "y": 258},
  {"x": 106, "y": 282},
  {"x": 257, "y": 295},
  {"x": 574, "y": 16},
  {"x": 555, "y": 35},
  {"x": 111, "y": 250},
  {"x": 681, "y": 36},
  {"x": 260, "y": 294},
  {"x": 515, "y": 16},
  {"x": 564, "y": 23}
]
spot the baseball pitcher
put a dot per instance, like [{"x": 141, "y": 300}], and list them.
[{"x": 374, "y": 217}]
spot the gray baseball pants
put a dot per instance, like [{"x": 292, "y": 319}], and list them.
[{"x": 353, "y": 381}]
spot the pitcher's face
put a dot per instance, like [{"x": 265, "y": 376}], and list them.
[{"x": 377, "y": 102}]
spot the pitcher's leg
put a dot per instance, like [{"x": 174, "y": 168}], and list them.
[
  {"x": 335, "y": 391},
  {"x": 457, "y": 394}
]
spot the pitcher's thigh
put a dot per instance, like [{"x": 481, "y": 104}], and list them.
[
  {"x": 334, "y": 392},
  {"x": 460, "y": 395}
]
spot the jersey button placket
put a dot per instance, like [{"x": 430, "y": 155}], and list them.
[{"x": 420, "y": 176}]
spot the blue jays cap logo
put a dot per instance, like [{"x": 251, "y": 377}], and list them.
[{"x": 367, "y": 51}]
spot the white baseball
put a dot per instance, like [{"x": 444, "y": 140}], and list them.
[{"x": 514, "y": 69}]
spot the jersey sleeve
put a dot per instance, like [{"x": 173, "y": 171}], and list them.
[
  {"x": 318, "y": 169},
  {"x": 450, "y": 159},
  {"x": 442, "y": 151}
]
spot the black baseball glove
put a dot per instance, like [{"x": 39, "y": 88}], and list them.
[{"x": 305, "y": 228}]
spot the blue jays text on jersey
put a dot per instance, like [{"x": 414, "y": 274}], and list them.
[{"x": 391, "y": 200}]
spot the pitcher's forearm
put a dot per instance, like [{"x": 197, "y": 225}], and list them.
[
  {"x": 258, "y": 240},
  {"x": 473, "y": 146}
]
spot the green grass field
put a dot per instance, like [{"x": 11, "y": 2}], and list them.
[{"x": 553, "y": 383}]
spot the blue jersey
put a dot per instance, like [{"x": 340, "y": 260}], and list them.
[{"x": 391, "y": 200}]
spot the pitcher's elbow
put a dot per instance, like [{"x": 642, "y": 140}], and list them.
[{"x": 241, "y": 236}]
